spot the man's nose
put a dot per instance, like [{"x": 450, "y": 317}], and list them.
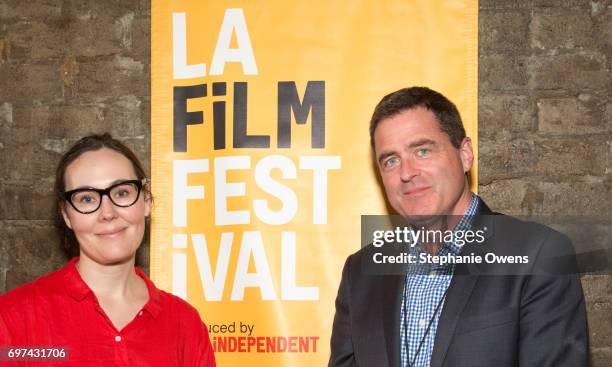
[{"x": 408, "y": 170}]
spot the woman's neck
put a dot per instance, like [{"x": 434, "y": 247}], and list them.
[{"x": 117, "y": 281}]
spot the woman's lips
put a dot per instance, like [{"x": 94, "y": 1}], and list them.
[{"x": 111, "y": 233}]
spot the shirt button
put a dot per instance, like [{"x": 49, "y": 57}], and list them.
[
  {"x": 118, "y": 338},
  {"x": 140, "y": 313},
  {"x": 422, "y": 322},
  {"x": 432, "y": 274}
]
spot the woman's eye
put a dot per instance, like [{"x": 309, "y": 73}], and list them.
[
  {"x": 122, "y": 193},
  {"x": 87, "y": 199}
]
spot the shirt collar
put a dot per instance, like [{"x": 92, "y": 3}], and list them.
[
  {"x": 465, "y": 223},
  {"x": 79, "y": 290}
]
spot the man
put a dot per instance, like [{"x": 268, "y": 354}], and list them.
[{"x": 480, "y": 314}]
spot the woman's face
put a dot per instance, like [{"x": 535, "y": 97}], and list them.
[{"x": 111, "y": 234}]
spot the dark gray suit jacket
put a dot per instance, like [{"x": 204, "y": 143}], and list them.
[{"x": 493, "y": 316}]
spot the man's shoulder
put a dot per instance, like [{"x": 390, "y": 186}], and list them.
[{"x": 525, "y": 230}]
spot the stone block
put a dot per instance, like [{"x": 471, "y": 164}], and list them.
[
  {"x": 567, "y": 156},
  {"x": 561, "y": 28},
  {"x": 108, "y": 10},
  {"x": 600, "y": 324},
  {"x": 141, "y": 146},
  {"x": 600, "y": 357},
  {"x": 597, "y": 288},
  {"x": 502, "y": 72},
  {"x": 72, "y": 122},
  {"x": 65, "y": 122},
  {"x": 20, "y": 9},
  {"x": 577, "y": 116},
  {"x": 34, "y": 40},
  {"x": 602, "y": 34},
  {"x": 6, "y": 116},
  {"x": 5, "y": 50},
  {"x": 500, "y": 114},
  {"x": 112, "y": 77},
  {"x": 575, "y": 71},
  {"x": 143, "y": 125},
  {"x": 92, "y": 38},
  {"x": 503, "y": 31},
  {"x": 506, "y": 159},
  {"x": 141, "y": 39},
  {"x": 608, "y": 112},
  {"x": 29, "y": 162},
  {"x": 590, "y": 234},
  {"x": 33, "y": 250},
  {"x": 576, "y": 198},
  {"x": 504, "y": 4},
  {"x": 30, "y": 82},
  {"x": 560, "y": 3},
  {"x": 122, "y": 115},
  {"x": 504, "y": 196},
  {"x": 33, "y": 201},
  {"x": 68, "y": 72}
]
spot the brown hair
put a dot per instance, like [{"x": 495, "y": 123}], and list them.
[
  {"x": 408, "y": 98},
  {"x": 87, "y": 144}
]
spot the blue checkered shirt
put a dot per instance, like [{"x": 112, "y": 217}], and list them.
[{"x": 425, "y": 287}]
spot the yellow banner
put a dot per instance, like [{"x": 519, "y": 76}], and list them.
[{"x": 261, "y": 163}]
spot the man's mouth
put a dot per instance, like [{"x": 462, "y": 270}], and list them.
[{"x": 415, "y": 191}]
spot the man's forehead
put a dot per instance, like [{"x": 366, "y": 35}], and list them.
[{"x": 416, "y": 123}]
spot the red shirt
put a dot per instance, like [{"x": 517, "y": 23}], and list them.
[{"x": 59, "y": 309}]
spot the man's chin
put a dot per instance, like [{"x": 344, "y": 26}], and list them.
[{"x": 424, "y": 219}]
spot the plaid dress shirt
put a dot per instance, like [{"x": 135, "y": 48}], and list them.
[{"x": 425, "y": 287}]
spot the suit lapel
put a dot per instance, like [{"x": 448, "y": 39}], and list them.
[
  {"x": 458, "y": 294},
  {"x": 460, "y": 289},
  {"x": 392, "y": 287}
]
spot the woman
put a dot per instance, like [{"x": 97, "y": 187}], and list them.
[{"x": 99, "y": 308}]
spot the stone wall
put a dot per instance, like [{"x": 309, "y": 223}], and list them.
[
  {"x": 545, "y": 122},
  {"x": 70, "y": 67}
]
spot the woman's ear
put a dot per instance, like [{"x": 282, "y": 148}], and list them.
[
  {"x": 62, "y": 206},
  {"x": 147, "y": 199}
]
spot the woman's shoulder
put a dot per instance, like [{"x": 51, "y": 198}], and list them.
[
  {"x": 178, "y": 305},
  {"x": 32, "y": 292}
]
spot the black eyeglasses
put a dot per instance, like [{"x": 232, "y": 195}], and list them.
[{"x": 88, "y": 200}]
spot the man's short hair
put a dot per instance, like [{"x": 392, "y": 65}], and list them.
[{"x": 409, "y": 98}]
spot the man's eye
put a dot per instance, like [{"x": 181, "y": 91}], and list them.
[
  {"x": 423, "y": 152},
  {"x": 391, "y": 162}
]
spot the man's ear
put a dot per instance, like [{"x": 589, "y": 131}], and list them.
[
  {"x": 62, "y": 206},
  {"x": 466, "y": 153}
]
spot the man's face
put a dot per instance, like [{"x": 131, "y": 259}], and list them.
[{"x": 423, "y": 173}]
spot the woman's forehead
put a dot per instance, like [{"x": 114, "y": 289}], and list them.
[{"x": 98, "y": 168}]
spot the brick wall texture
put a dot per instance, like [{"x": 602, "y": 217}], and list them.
[{"x": 71, "y": 67}]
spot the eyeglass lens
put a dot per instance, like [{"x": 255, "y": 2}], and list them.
[{"x": 124, "y": 194}]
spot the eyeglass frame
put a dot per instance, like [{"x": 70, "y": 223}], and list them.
[{"x": 140, "y": 183}]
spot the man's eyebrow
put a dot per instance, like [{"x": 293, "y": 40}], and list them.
[
  {"x": 414, "y": 144},
  {"x": 421, "y": 142},
  {"x": 384, "y": 155}
]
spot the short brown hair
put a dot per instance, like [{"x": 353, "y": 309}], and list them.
[
  {"x": 87, "y": 144},
  {"x": 409, "y": 98}
]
